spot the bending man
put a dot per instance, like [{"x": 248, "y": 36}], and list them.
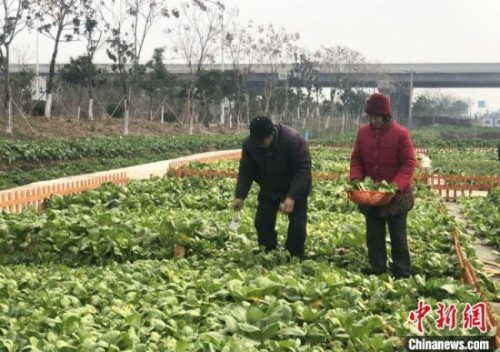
[{"x": 277, "y": 158}]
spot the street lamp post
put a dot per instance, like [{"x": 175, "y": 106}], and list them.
[
  {"x": 222, "y": 104},
  {"x": 37, "y": 73}
]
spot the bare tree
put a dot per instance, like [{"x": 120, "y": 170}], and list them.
[
  {"x": 342, "y": 63},
  {"x": 21, "y": 54},
  {"x": 240, "y": 43},
  {"x": 276, "y": 48},
  {"x": 306, "y": 74},
  {"x": 58, "y": 20},
  {"x": 11, "y": 23},
  {"x": 130, "y": 22},
  {"x": 94, "y": 34},
  {"x": 195, "y": 39},
  {"x": 156, "y": 80}
]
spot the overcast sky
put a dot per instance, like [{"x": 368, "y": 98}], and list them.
[
  {"x": 385, "y": 31},
  {"x": 394, "y": 31},
  {"x": 389, "y": 31}
]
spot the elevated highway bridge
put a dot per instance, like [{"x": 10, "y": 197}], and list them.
[
  {"x": 424, "y": 75},
  {"x": 397, "y": 80}
]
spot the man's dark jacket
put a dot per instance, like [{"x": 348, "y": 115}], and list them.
[{"x": 283, "y": 170}]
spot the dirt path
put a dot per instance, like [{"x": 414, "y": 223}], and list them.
[{"x": 486, "y": 254}]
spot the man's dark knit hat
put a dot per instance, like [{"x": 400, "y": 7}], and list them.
[{"x": 261, "y": 127}]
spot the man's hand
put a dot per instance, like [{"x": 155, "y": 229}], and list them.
[
  {"x": 238, "y": 204},
  {"x": 287, "y": 206}
]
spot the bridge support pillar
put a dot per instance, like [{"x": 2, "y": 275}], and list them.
[{"x": 400, "y": 95}]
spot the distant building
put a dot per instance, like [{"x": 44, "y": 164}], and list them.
[{"x": 490, "y": 120}]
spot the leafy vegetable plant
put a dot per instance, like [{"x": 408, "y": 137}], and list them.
[{"x": 369, "y": 185}]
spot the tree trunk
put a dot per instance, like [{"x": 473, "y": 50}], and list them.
[
  {"x": 162, "y": 113},
  {"x": 50, "y": 83},
  {"x": 80, "y": 98},
  {"x": 275, "y": 109},
  {"x": 91, "y": 107},
  {"x": 150, "y": 107},
  {"x": 286, "y": 100},
  {"x": 206, "y": 120},
  {"x": 125, "y": 127},
  {"x": 90, "y": 91},
  {"x": 189, "y": 105},
  {"x": 9, "y": 129},
  {"x": 332, "y": 100},
  {"x": 247, "y": 98},
  {"x": 238, "y": 91},
  {"x": 48, "y": 106},
  {"x": 317, "y": 103},
  {"x": 266, "y": 103},
  {"x": 222, "y": 113},
  {"x": 8, "y": 90}
]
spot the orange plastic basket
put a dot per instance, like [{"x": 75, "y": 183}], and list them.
[{"x": 373, "y": 198}]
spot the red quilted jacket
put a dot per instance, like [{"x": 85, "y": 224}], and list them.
[{"x": 384, "y": 154}]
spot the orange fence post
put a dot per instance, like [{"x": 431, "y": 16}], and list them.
[
  {"x": 36, "y": 196},
  {"x": 16, "y": 200},
  {"x": 458, "y": 249},
  {"x": 12, "y": 200},
  {"x": 469, "y": 277}
]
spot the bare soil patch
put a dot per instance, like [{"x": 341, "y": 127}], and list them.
[{"x": 71, "y": 128}]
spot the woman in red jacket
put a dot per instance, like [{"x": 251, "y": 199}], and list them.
[{"x": 384, "y": 151}]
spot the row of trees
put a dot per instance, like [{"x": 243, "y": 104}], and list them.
[
  {"x": 120, "y": 25},
  {"x": 157, "y": 88},
  {"x": 429, "y": 104},
  {"x": 199, "y": 32}
]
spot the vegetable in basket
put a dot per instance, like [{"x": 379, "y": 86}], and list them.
[{"x": 369, "y": 185}]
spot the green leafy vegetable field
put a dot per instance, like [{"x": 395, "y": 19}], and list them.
[{"x": 97, "y": 272}]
